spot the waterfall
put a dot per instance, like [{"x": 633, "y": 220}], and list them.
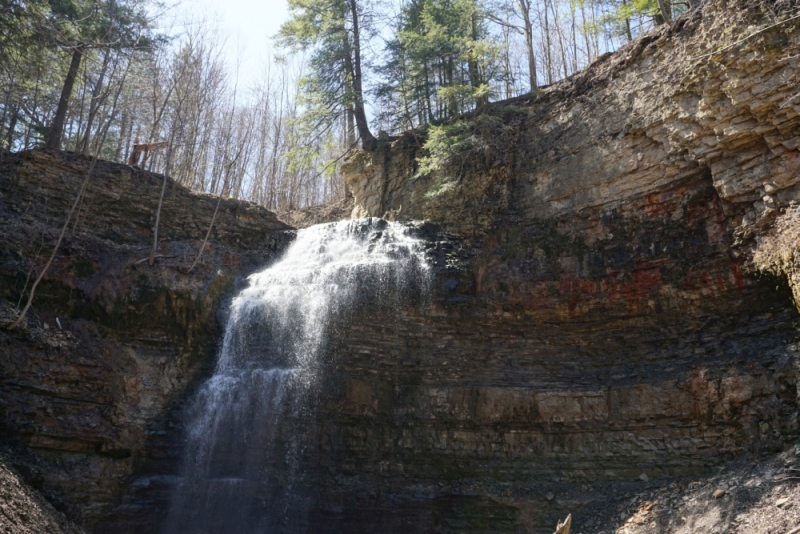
[{"x": 241, "y": 456}]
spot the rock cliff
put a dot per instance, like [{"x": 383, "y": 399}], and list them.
[
  {"x": 90, "y": 387},
  {"x": 612, "y": 314},
  {"x": 612, "y": 305}
]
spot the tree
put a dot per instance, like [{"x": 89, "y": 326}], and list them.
[
  {"x": 441, "y": 62},
  {"x": 333, "y": 30},
  {"x": 617, "y": 20},
  {"x": 522, "y": 10},
  {"x": 80, "y": 25},
  {"x": 524, "y": 7}
]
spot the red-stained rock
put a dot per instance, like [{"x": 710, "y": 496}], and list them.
[{"x": 596, "y": 311}]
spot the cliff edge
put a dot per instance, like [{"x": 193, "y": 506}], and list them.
[
  {"x": 711, "y": 98},
  {"x": 612, "y": 311}
]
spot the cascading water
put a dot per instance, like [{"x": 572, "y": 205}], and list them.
[{"x": 275, "y": 346}]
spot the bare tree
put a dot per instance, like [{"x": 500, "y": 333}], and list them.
[{"x": 70, "y": 213}]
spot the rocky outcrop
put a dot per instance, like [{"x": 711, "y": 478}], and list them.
[
  {"x": 611, "y": 306},
  {"x": 606, "y": 318},
  {"x": 91, "y": 386},
  {"x": 121, "y": 201},
  {"x": 714, "y": 95}
]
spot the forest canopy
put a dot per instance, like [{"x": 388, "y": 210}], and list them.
[{"x": 96, "y": 77}]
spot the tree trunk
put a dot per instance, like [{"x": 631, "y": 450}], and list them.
[
  {"x": 427, "y": 94},
  {"x": 560, "y": 39},
  {"x": 548, "y": 54},
  {"x": 531, "y": 57},
  {"x": 666, "y": 11},
  {"x": 350, "y": 135},
  {"x": 474, "y": 69},
  {"x": 452, "y": 108},
  {"x": 123, "y": 131},
  {"x": 525, "y": 10},
  {"x": 368, "y": 141},
  {"x": 57, "y": 128},
  {"x": 94, "y": 103},
  {"x": 11, "y": 127}
]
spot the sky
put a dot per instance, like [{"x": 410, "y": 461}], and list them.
[{"x": 248, "y": 25}]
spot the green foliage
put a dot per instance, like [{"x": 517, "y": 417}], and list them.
[
  {"x": 468, "y": 142},
  {"x": 310, "y": 151},
  {"x": 37, "y": 38},
  {"x": 440, "y": 63},
  {"x": 326, "y": 29},
  {"x": 618, "y": 19},
  {"x": 92, "y": 23},
  {"x": 443, "y": 145}
]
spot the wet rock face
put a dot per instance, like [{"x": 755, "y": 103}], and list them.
[
  {"x": 554, "y": 365},
  {"x": 600, "y": 314},
  {"x": 595, "y": 314},
  {"x": 91, "y": 389}
]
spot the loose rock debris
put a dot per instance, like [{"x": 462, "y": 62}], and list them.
[{"x": 757, "y": 495}]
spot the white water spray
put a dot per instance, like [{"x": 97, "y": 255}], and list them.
[{"x": 275, "y": 345}]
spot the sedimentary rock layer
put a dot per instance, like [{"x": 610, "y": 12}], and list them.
[
  {"x": 607, "y": 320},
  {"x": 597, "y": 311},
  {"x": 91, "y": 386}
]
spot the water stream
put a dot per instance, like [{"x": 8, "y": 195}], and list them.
[{"x": 242, "y": 459}]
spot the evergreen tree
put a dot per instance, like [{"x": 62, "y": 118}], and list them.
[
  {"x": 441, "y": 62},
  {"x": 333, "y": 30},
  {"x": 617, "y": 21},
  {"x": 80, "y": 25}
]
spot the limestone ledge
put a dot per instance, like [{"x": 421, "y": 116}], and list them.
[{"x": 716, "y": 94}]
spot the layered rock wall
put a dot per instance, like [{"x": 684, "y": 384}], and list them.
[
  {"x": 607, "y": 319},
  {"x": 599, "y": 309},
  {"x": 91, "y": 385},
  {"x": 716, "y": 93}
]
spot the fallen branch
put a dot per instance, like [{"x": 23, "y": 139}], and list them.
[
  {"x": 30, "y": 271},
  {"x": 152, "y": 257},
  {"x": 564, "y": 528},
  {"x": 55, "y": 249},
  {"x": 208, "y": 233}
]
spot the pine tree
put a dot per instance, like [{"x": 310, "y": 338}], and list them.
[
  {"x": 80, "y": 25},
  {"x": 441, "y": 62},
  {"x": 333, "y": 30}
]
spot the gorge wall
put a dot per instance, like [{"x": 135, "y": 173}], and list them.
[
  {"x": 91, "y": 387},
  {"x": 610, "y": 315},
  {"x": 614, "y": 272}
]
